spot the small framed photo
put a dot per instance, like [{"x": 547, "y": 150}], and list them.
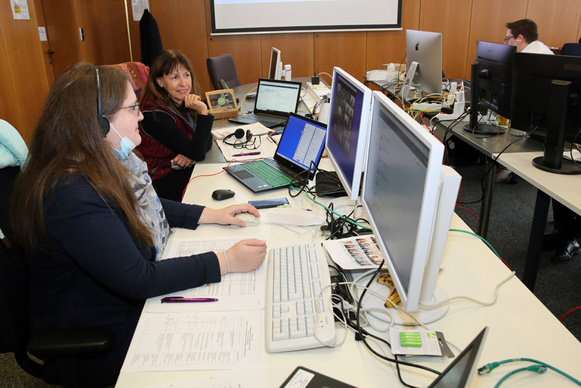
[{"x": 222, "y": 103}]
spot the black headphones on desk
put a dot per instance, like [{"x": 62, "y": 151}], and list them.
[{"x": 238, "y": 135}]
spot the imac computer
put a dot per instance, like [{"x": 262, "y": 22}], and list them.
[
  {"x": 347, "y": 130},
  {"x": 546, "y": 103},
  {"x": 409, "y": 198},
  {"x": 275, "y": 68},
  {"x": 423, "y": 63},
  {"x": 491, "y": 85}
]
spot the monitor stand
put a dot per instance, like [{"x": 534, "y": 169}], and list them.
[
  {"x": 552, "y": 159},
  {"x": 423, "y": 315},
  {"x": 474, "y": 126}
]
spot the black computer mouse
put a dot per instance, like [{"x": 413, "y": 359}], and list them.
[{"x": 222, "y": 194}]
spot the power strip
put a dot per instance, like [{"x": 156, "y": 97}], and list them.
[{"x": 427, "y": 106}]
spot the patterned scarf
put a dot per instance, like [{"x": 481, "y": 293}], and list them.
[{"x": 151, "y": 213}]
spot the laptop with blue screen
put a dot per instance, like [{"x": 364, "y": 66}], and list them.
[{"x": 299, "y": 150}]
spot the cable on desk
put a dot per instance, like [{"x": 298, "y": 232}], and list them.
[
  {"x": 457, "y": 298},
  {"x": 539, "y": 367},
  {"x": 363, "y": 334}
]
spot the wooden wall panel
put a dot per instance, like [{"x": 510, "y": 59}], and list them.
[
  {"x": 245, "y": 50},
  {"x": 298, "y": 50},
  {"x": 556, "y": 23},
  {"x": 135, "y": 34},
  {"x": 182, "y": 26},
  {"x": 344, "y": 49},
  {"x": 389, "y": 46},
  {"x": 23, "y": 73},
  {"x": 488, "y": 23},
  {"x": 7, "y": 111},
  {"x": 452, "y": 19}
]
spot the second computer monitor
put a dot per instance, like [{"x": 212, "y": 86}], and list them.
[
  {"x": 425, "y": 49},
  {"x": 275, "y": 68},
  {"x": 347, "y": 129}
]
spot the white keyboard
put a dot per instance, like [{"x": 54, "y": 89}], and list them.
[{"x": 295, "y": 277}]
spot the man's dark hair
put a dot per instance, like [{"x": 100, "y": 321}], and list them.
[{"x": 526, "y": 27}]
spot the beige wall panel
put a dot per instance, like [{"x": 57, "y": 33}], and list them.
[
  {"x": 182, "y": 26},
  {"x": 23, "y": 62},
  {"x": 298, "y": 50},
  {"x": 452, "y": 19},
  {"x": 557, "y": 20},
  {"x": 389, "y": 46},
  {"x": 344, "y": 49},
  {"x": 488, "y": 23}
]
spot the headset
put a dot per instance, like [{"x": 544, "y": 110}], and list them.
[
  {"x": 103, "y": 122},
  {"x": 238, "y": 134}
]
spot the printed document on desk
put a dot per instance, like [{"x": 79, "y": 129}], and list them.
[
  {"x": 253, "y": 377},
  {"x": 263, "y": 146},
  {"x": 236, "y": 291},
  {"x": 195, "y": 341}
]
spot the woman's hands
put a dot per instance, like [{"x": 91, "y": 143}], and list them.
[
  {"x": 183, "y": 161},
  {"x": 225, "y": 216},
  {"x": 193, "y": 101},
  {"x": 245, "y": 256}
]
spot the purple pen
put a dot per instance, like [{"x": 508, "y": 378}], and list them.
[
  {"x": 181, "y": 299},
  {"x": 247, "y": 154}
]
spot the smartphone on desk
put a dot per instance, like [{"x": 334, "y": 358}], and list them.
[{"x": 269, "y": 203}]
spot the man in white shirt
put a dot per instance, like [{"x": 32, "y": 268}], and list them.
[{"x": 523, "y": 34}]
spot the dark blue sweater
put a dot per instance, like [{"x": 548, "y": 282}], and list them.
[{"x": 94, "y": 274}]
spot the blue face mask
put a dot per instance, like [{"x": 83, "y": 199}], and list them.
[{"x": 127, "y": 146}]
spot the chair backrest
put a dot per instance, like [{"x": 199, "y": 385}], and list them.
[
  {"x": 13, "y": 284},
  {"x": 571, "y": 49},
  {"x": 222, "y": 68},
  {"x": 137, "y": 72}
]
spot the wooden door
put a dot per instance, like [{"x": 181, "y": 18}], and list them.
[{"x": 63, "y": 34}]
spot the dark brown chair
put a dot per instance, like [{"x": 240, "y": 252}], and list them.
[{"x": 222, "y": 72}]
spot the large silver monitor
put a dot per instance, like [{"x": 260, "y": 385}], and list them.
[
  {"x": 409, "y": 198},
  {"x": 425, "y": 50}
]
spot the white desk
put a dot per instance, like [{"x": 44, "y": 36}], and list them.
[
  {"x": 563, "y": 188},
  {"x": 520, "y": 326}
]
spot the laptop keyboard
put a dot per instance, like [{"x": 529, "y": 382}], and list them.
[
  {"x": 268, "y": 174},
  {"x": 267, "y": 121}
]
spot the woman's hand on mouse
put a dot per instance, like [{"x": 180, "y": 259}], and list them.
[
  {"x": 225, "y": 216},
  {"x": 244, "y": 256}
]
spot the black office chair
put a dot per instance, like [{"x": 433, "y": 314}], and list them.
[
  {"x": 61, "y": 350},
  {"x": 222, "y": 72},
  {"x": 571, "y": 49}
]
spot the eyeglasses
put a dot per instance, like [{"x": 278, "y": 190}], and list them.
[
  {"x": 509, "y": 38},
  {"x": 132, "y": 108}
]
